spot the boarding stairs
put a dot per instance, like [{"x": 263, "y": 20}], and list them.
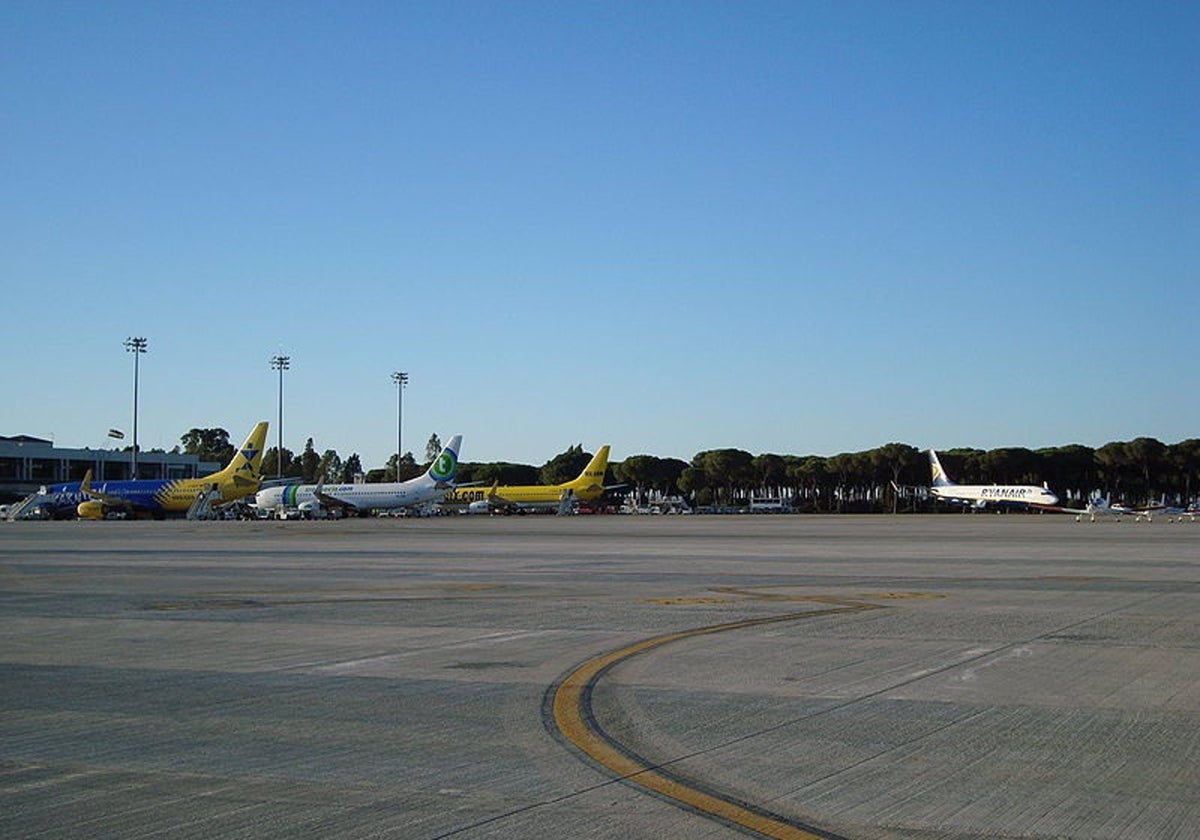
[
  {"x": 24, "y": 507},
  {"x": 202, "y": 505},
  {"x": 566, "y": 503}
]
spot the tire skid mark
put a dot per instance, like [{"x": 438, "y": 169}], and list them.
[{"x": 570, "y": 712}]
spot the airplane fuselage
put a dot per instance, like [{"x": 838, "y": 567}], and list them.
[
  {"x": 998, "y": 494},
  {"x": 529, "y": 495},
  {"x": 360, "y": 496},
  {"x": 149, "y": 495}
]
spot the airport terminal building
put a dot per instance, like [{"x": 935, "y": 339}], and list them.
[{"x": 27, "y": 463}]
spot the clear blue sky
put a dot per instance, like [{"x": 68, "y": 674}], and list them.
[{"x": 793, "y": 227}]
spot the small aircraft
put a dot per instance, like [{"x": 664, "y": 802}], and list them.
[
  {"x": 1096, "y": 507},
  {"x": 521, "y": 498},
  {"x": 317, "y": 501},
  {"x": 157, "y": 497},
  {"x": 1173, "y": 513},
  {"x": 979, "y": 496}
]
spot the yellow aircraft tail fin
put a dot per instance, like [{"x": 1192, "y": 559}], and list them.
[
  {"x": 246, "y": 463},
  {"x": 593, "y": 473}
]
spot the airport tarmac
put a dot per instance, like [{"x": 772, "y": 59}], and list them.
[{"x": 860, "y": 677}]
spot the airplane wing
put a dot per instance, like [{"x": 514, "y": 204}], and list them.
[
  {"x": 496, "y": 500},
  {"x": 332, "y": 502},
  {"x": 85, "y": 487},
  {"x": 1096, "y": 507}
]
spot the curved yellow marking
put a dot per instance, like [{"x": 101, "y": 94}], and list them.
[
  {"x": 671, "y": 602},
  {"x": 572, "y": 714},
  {"x": 758, "y": 595}
]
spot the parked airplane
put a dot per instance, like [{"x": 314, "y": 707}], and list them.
[
  {"x": 587, "y": 487},
  {"x": 318, "y": 500},
  {"x": 981, "y": 495},
  {"x": 1172, "y": 512},
  {"x": 158, "y": 497},
  {"x": 1096, "y": 507}
]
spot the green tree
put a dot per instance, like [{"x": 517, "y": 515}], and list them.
[
  {"x": 408, "y": 469},
  {"x": 645, "y": 473},
  {"x": 271, "y": 460},
  {"x": 730, "y": 472},
  {"x": 433, "y": 448},
  {"x": 965, "y": 465},
  {"x": 696, "y": 483},
  {"x": 309, "y": 462},
  {"x": 669, "y": 471},
  {"x": 1148, "y": 459},
  {"x": 845, "y": 467},
  {"x": 809, "y": 476},
  {"x": 499, "y": 472},
  {"x": 1070, "y": 469},
  {"x": 1011, "y": 465},
  {"x": 898, "y": 462},
  {"x": 1112, "y": 463},
  {"x": 770, "y": 473},
  {"x": 1184, "y": 461},
  {"x": 565, "y": 466},
  {"x": 330, "y": 467},
  {"x": 351, "y": 468},
  {"x": 209, "y": 445},
  {"x": 638, "y": 471}
]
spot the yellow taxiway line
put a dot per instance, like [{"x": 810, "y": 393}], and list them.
[{"x": 572, "y": 716}]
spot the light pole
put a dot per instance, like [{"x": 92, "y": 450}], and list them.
[
  {"x": 401, "y": 379},
  {"x": 280, "y": 363},
  {"x": 136, "y": 346}
]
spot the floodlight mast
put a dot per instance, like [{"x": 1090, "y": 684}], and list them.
[
  {"x": 280, "y": 363},
  {"x": 401, "y": 379},
  {"x": 137, "y": 346}
]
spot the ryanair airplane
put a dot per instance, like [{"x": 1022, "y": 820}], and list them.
[
  {"x": 981, "y": 495},
  {"x": 158, "y": 497}
]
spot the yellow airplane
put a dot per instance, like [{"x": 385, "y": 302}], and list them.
[
  {"x": 519, "y": 498},
  {"x": 158, "y": 497}
]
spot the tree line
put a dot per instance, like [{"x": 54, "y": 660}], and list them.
[{"x": 886, "y": 478}]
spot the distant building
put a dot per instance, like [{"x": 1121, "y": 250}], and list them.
[{"x": 27, "y": 463}]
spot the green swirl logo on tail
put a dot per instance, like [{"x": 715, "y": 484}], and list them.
[{"x": 444, "y": 467}]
